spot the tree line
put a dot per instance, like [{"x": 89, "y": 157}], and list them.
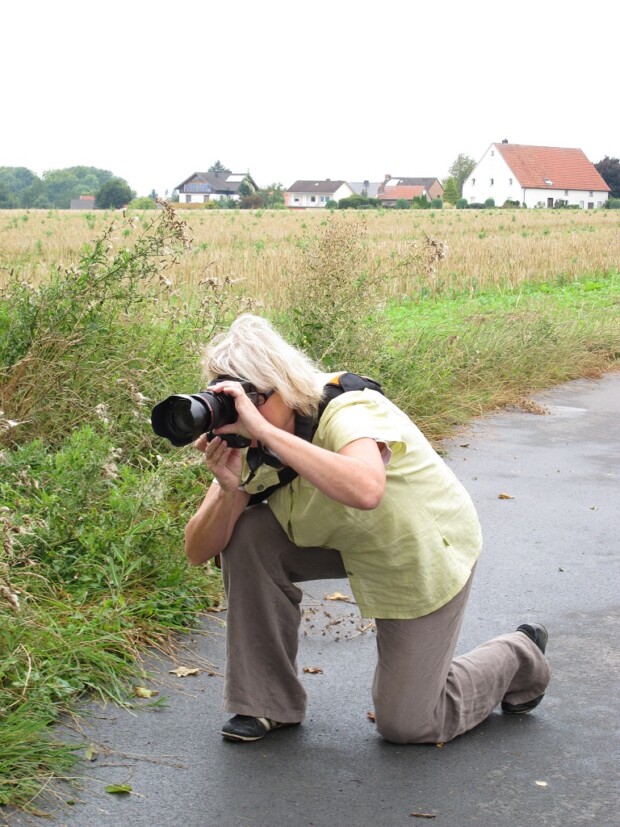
[{"x": 22, "y": 188}]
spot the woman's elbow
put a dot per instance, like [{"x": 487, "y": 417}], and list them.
[
  {"x": 370, "y": 496},
  {"x": 195, "y": 553}
]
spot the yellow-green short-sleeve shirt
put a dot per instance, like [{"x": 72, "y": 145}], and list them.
[{"x": 415, "y": 551}]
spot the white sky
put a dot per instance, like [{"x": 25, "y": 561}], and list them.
[{"x": 289, "y": 89}]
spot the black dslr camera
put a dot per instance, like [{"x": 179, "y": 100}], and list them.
[{"x": 182, "y": 418}]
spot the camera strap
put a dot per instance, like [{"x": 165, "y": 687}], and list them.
[{"x": 305, "y": 427}]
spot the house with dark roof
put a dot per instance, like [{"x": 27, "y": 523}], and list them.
[
  {"x": 395, "y": 189},
  {"x": 213, "y": 186},
  {"x": 536, "y": 176},
  {"x": 368, "y": 189},
  {"x": 315, "y": 194}
]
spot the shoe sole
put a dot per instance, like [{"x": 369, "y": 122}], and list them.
[{"x": 230, "y": 737}]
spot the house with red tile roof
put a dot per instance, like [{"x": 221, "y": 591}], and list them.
[
  {"x": 395, "y": 189},
  {"x": 315, "y": 194},
  {"x": 536, "y": 176}
]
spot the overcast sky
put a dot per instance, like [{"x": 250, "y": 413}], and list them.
[{"x": 289, "y": 89}]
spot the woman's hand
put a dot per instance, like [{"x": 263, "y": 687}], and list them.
[
  {"x": 250, "y": 423},
  {"x": 224, "y": 463}
]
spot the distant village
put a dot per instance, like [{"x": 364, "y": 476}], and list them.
[{"x": 507, "y": 175}]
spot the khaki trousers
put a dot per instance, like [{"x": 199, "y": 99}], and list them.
[{"x": 421, "y": 694}]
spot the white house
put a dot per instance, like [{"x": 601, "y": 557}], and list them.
[
  {"x": 536, "y": 176},
  {"x": 311, "y": 194},
  {"x": 213, "y": 186}
]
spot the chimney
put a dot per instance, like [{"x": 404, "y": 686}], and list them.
[{"x": 387, "y": 176}]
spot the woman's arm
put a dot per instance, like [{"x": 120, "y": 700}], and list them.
[
  {"x": 209, "y": 531},
  {"x": 355, "y": 476}
]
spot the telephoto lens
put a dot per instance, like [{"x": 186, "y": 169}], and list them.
[{"x": 182, "y": 418}]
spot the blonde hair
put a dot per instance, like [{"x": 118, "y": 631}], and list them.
[{"x": 251, "y": 349}]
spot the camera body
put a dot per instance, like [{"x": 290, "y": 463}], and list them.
[{"x": 182, "y": 418}]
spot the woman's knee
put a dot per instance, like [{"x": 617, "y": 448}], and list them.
[{"x": 398, "y": 727}]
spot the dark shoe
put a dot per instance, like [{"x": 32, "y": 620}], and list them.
[
  {"x": 538, "y": 635},
  {"x": 248, "y": 728},
  {"x": 535, "y": 632}
]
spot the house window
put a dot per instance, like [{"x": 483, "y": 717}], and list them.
[
  {"x": 473, "y": 182},
  {"x": 510, "y": 182},
  {"x": 492, "y": 152},
  {"x": 591, "y": 194},
  {"x": 296, "y": 200},
  {"x": 581, "y": 205},
  {"x": 313, "y": 199},
  {"x": 492, "y": 181},
  {"x": 565, "y": 192}
]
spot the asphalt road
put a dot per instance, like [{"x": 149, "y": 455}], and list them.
[{"x": 551, "y": 554}]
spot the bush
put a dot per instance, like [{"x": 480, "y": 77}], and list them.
[
  {"x": 461, "y": 204},
  {"x": 489, "y": 203},
  {"x": 612, "y": 204},
  {"x": 510, "y": 204},
  {"x": 143, "y": 203},
  {"x": 358, "y": 202},
  {"x": 420, "y": 202},
  {"x": 437, "y": 204},
  {"x": 402, "y": 204},
  {"x": 333, "y": 293}
]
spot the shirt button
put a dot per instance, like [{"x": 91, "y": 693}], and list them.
[{"x": 260, "y": 487}]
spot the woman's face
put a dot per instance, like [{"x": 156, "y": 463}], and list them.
[{"x": 277, "y": 413}]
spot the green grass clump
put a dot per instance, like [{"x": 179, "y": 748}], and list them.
[
  {"x": 92, "y": 504},
  {"x": 454, "y": 358}
]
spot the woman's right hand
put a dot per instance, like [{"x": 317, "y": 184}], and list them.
[{"x": 224, "y": 463}]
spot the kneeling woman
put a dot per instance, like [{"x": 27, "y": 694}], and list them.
[{"x": 372, "y": 501}]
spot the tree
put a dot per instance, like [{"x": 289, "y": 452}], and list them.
[
  {"x": 245, "y": 188},
  {"x": 609, "y": 169},
  {"x": 7, "y": 200},
  {"x": 460, "y": 170},
  {"x": 219, "y": 169},
  {"x": 273, "y": 196},
  {"x": 450, "y": 192},
  {"x": 113, "y": 194},
  {"x": 17, "y": 180}
]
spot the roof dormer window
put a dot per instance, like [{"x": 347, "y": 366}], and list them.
[{"x": 548, "y": 182}]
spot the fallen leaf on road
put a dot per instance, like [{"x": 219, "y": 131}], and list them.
[
  {"x": 505, "y": 497},
  {"x": 184, "y": 671},
  {"x": 91, "y": 753},
  {"x": 371, "y": 716},
  {"x": 313, "y": 670},
  {"x": 337, "y": 596},
  {"x": 118, "y": 788},
  {"x": 541, "y": 784},
  {"x": 142, "y": 692},
  {"x": 423, "y": 815}
]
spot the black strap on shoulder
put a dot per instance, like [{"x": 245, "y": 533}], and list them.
[{"x": 305, "y": 428}]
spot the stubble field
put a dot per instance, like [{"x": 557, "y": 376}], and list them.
[{"x": 485, "y": 249}]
